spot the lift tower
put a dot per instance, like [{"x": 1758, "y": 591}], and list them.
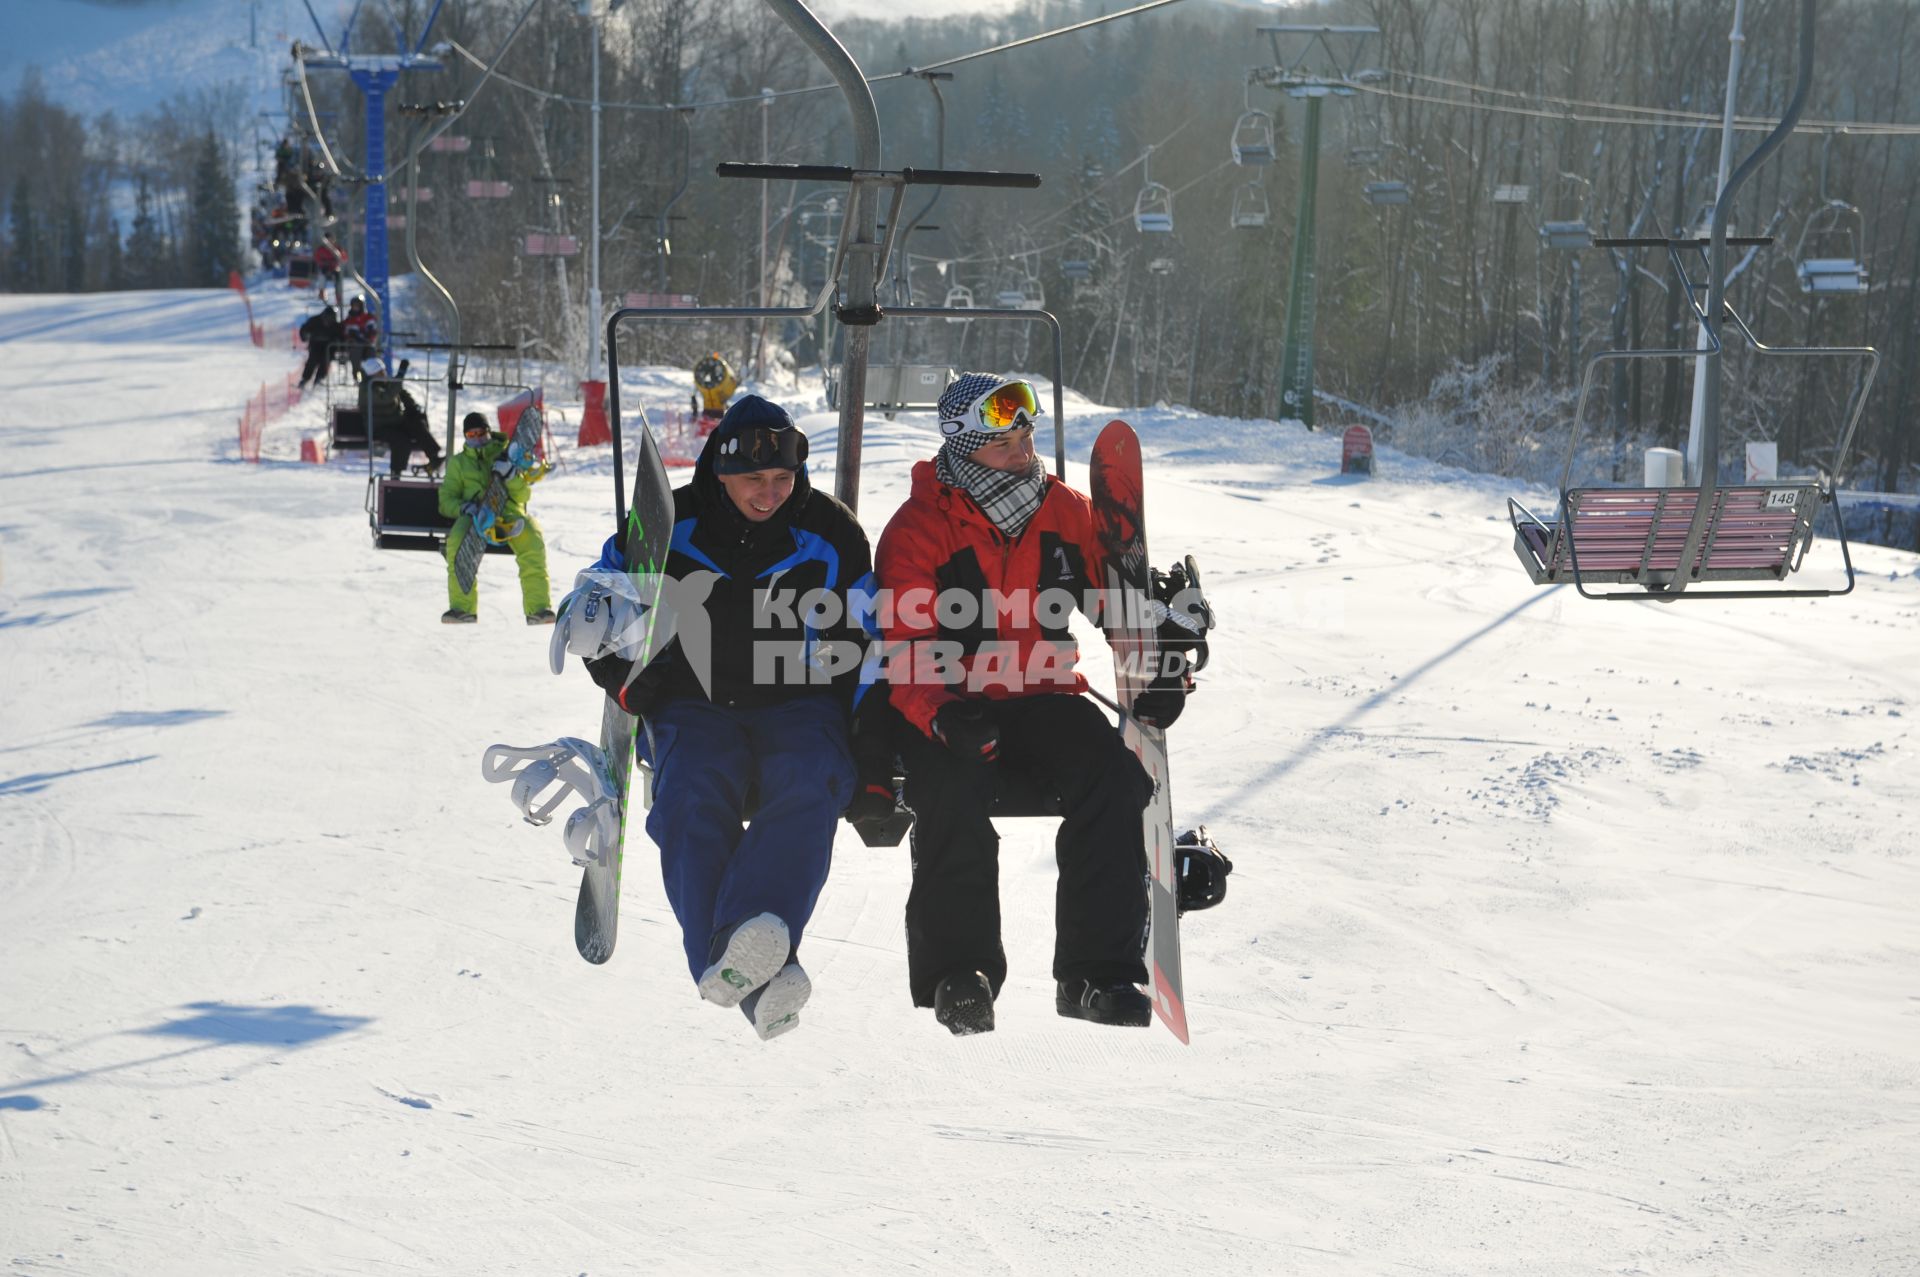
[
  {"x": 375, "y": 75},
  {"x": 1325, "y": 63}
]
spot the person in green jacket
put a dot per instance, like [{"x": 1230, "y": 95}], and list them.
[{"x": 460, "y": 492}]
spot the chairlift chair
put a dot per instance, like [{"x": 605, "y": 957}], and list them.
[
  {"x": 1840, "y": 224},
  {"x": 1077, "y": 269},
  {"x": 490, "y": 187},
  {"x": 1253, "y": 139},
  {"x": 1387, "y": 193},
  {"x": 959, "y": 297},
  {"x": 1660, "y": 540},
  {"x": 1153, "y": 210},
  {"x": 1033, "y": 295},
  {"x": 1512, "y": 193},
  {"x": 1250, "y": 207},
  {"x": 1566, "y": 235},
  {"x": 1570, "y": 231}
]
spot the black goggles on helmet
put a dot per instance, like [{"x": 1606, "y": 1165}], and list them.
[{"x": 760, "y": 448}]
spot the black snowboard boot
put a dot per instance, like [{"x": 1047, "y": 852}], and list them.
[
  {"x": 1104, "y": 1002},
  {"x": 964, "y": 1003}
]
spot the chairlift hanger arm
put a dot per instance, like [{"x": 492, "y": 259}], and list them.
[{"x": 905, "y": 177}]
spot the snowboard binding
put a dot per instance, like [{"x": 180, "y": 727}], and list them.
[
  {"x": 568, "y": 766},
  {"x": 1183, "y": 614},
  {"x": 1200, "y": 869}
]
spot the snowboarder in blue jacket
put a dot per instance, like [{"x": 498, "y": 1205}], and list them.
[{"x": 745, "y": 714}]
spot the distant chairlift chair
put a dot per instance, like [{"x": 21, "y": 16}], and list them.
[
  {"x": 959, "y": 297},
  {"x": 1250, "y": 207},
  {"x": 1386, "y": 193},
  {"x": 1253, "y": 138},
  {"x": 1664, "y": 539},
  {"x": 1837, "y": 225},
  {"x": 1153, "y": 210}
]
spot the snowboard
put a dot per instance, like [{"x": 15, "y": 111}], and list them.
[
  {"x": 473, "y": 545},
  {"x": 644, "y": 543},
  {"x": 1119, "y": 510}
]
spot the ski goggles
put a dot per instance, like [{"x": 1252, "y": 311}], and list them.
[
  {"x": 760, "y": 448},
  {"x": 476, "y": 432},
  {"x": 1010, "y": 404}
]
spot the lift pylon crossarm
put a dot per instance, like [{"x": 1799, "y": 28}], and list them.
[
  {"x": 1681, "y": 241},
  {"x": 905, "y": 177}
]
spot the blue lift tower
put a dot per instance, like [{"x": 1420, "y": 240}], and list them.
[{"x": 374, "y": 74}]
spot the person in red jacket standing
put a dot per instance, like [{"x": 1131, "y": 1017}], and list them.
[
  {"x": 980, "y": 569},
  {"x": 328, "y": 259}
]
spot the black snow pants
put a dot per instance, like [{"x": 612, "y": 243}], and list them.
[
  {"x": 1066, "y": 745},
  {"x": 406, "y": 437},
  {"x": 319, "y": 354}
]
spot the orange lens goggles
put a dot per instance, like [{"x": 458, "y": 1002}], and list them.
[{"x": 1007, "y": 406}]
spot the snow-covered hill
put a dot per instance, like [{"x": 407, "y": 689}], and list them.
[
  {"x": 1566, "y": 937},
  {"x": 128, "y": 57}
]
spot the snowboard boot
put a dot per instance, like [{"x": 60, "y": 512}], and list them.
[
  {"x": 543, "y": 617},
  {"x": 454, "y": 616},
  {"x": 748, "y": 956},
  {"x": 774, "y": 1007},
  {"x": 964, "y": 1003},
  {"x": 1104, "y": 1002}
]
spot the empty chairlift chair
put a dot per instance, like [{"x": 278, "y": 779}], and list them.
[
  {"x": 1570, "y": 231},
  {"x": 1386, "y": 193},
  {"x": 1153, "y": 206},
  {"x": 1828, "y": 254},
  {"x": 1661, "y": 538},
  {"x": 1253, "y": 139},
  {"x": 1249, "y": 207},
  {"x": 959, "y": 297},
  {"x": 1153, "y": 210},
  {"x": 488, "y": 184}
]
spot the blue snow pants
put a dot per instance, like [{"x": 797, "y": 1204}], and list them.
[{"x": 704, "y": 757}]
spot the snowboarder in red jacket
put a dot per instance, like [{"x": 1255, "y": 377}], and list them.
[{"x": 978, "y": 571}]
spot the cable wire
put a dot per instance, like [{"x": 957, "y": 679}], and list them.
[
  {"x": 1654, "y": 117},
  {"x": 774, "y": 94}
]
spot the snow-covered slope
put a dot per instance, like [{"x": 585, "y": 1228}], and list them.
[
  {"x": 1566, "y": 937},
  {"x": 128, "y": 57}
]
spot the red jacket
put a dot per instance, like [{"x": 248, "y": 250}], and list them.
[
  {"x": 1013, "y": 639},
  {"x": 362, "y": 327}
]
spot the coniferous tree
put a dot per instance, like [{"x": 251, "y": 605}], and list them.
[
  {"x": 146, "y": 248},
  {"x": 73, "y": 247},
  {"x": 23, "y": 274},
  {"x": 213, "y": 218},
  {"x": 113, "y": 271}
]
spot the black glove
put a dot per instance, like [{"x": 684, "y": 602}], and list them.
[
  {"x": 1162, "y": 702},
  {"x": 873, "y": 804},
  {"x": 613, "y": 673},
  {"x": 967, "y": 728}
]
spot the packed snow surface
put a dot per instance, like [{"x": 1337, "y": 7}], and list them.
[{"x": 1565, "y": 937}]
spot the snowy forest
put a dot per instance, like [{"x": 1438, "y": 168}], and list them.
[
  {"x": 1451, "y": 313},
  {"x": 110, "y": 204}
]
